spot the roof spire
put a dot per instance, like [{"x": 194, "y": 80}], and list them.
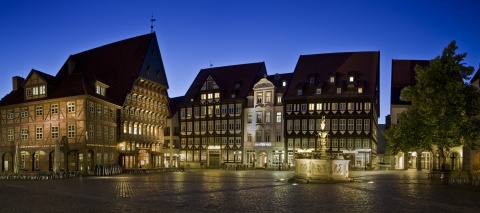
[{"x": 151, "y": 25}]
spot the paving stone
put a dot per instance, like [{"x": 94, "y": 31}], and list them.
[{"x": 210, "y": 190}]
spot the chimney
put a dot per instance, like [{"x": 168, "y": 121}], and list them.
[
  {"x": 71, "y": 66},
  {"x": 17, "y": 82}
]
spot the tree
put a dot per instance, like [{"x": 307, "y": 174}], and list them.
[{"x": 444, "y": 109}]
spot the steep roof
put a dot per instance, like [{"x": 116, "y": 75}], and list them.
[
  {"x": 174, "y": 104},
  {"x": 476, "y": 76},
  {"x": 403, "y": 75},
  {"x": 278, "y": 79},
  {"x": 227, "y": 77},
  {"x": 117, "y": 65},
  {"x": 363, "y": 65},
  {"x": 18, "y": 96}
]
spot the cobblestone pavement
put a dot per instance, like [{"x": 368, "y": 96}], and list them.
[{"x": 212, "y": 190}]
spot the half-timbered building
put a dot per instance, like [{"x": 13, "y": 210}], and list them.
[
  {"x": 106, "y": 105},
  {"x": 212, "y": 115},
  {"x": 343, "y": 88}
]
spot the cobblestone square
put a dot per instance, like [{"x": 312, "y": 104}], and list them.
[{"x": 209, "y": 190}]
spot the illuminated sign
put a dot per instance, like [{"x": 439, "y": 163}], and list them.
[{"x": 263, "y": 144}]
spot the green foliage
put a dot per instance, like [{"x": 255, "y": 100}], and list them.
[{"x": 444, "y": 109}]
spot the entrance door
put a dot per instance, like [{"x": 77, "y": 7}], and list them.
[
  {"x": 143, "y": 159},
  {"x": 214, "y": 160},
  {"x": 263, "y": 159},
  {"x": 426, "y": 160}
]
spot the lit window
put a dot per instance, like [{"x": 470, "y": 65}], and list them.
[
  {"x": 217, "y": 95},
  {"x": 360, "y": 90},
  {"x": 100, "y": 90},
  {"x": 332, "y": 79},
  {"x": 319, "y": 91},
  {"x": 41, "y": 90},
  {"x": 279, "y": 117},
  {"x": 284, "y": 83},
  {"x": 35, "y": 90},
  {"x": 351, "y": 79}
]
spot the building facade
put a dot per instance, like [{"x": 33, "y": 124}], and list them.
[
  {"x": 172, "y": 135},
  {"x": 212, "y": 115},
  {"x": 343, "y": 88},
  {"x": 264, "y": 145},
  {"x": 106, "y": 105}
]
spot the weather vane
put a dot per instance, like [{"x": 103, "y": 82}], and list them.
[{"x": 151, "y": 26}]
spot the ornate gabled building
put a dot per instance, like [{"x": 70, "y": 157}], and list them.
[
  {"x": 264, "y": 145},
  {"x": 108, "y": 100},
  {"x": 212, "y": 115},
  {"x": 343, "y": 88}
]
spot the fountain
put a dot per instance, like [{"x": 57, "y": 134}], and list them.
[{"x": 323, "y": 170}]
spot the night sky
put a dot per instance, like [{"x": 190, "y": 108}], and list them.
[{"x": 192, "y": 34}]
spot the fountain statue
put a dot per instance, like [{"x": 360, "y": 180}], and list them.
[{"x": 325, "y": 169}]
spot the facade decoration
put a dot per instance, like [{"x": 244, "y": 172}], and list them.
[{"x": 264, "y": 145}]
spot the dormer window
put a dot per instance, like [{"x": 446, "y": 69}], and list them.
[
  {"x": 332, "y": 79},
  {"x": 351, "y": 79},
  {"x": 277, "y": 76},
  {"x": 100, "y": 88},
  {"x": 233, "y": 95},
  {"x": 318, "y": 91},
  {"x": 299, "y": 92},
  {"x": 339, "y": 90},
  {"x": 312, "y": 80},
  {"x": 284, "y": 83},
  {"x": 237, "y": 85}
]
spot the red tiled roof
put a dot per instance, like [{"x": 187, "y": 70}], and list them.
[
  {"x": 117, "y": 64},
  {"x": 226, "y": 78},
  {"x": 365, "y": 66}
]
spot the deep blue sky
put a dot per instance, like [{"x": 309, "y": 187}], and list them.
[{"x": 41, "y": 35}]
